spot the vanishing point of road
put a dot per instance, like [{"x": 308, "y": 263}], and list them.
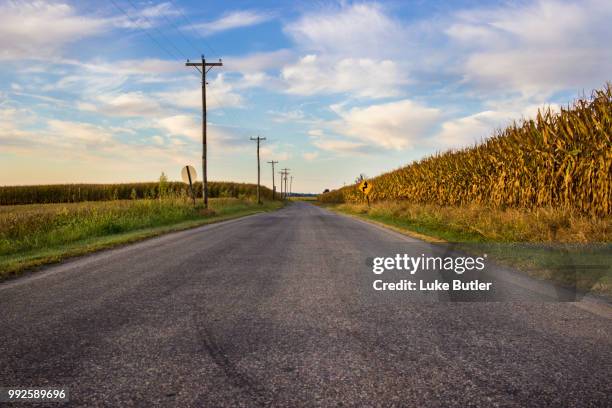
[{"x": 278, "y": 309}]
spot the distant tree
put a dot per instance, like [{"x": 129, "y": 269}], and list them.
[
  {"x": 163, "y": 185},
  {"x": 326, "y": 191}
]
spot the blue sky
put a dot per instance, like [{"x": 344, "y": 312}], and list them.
[{"x": 90, "y": 94}]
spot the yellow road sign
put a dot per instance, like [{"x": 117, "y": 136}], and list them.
[{"x": 365, "y": 187}]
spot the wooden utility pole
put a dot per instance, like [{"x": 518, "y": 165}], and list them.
[
  {"x": 291, "y": 187},
  {"x": 284, "y": 179},
  {"x": 258, "y": 139},
  {"x": 273, "y": 185},
  {"x": 281, "y": 184},
  {"x": 204, "y": 67}
]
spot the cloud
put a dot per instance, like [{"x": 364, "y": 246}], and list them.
[
  {"x": 159, "y": 10},
  {"x": 145, "y": 66},
  {"x": 310, "y": 156},
  {"x": 288, "y": 116},
  {"x": 124, "y": 104},
  {"x": 350, "y": 49},
  {"x": 78, "y": 132},
  {"x": 144, "y": 18},
  {"x": 53, "y": 136},
  {"x": 539, "y": 71},
  {"x": 39, "y": 29},
  {"x": 360, "y": 77},
  {"x": 232, "y": 20},
  {"x": 341, "y": 146},
  {"x": 471, "y": 129},
  {"x": 274, "y": 152},
  {"x": 535, "y": 49},
  {"x": 181, "y": 125},
  {"x": 188, "y": 126},
  {"x": 354, "y": 30},
  {"x": 85, "y": 152},
  {"x": 393, "y": 125},
  {"x": 10, "y": 134},
  {"x": 219, "y": 94},
  {"x": 259, "y": 61}
]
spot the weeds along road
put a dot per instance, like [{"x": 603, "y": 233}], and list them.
[{"x": 278, "y": 309}]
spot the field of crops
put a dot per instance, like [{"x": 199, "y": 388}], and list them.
[
  {"x": 559, "y": 160},
  {"x": 73, "y": 193},
  {"x": 35, "y": 234}
]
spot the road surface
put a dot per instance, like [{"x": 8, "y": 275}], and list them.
[{"x": 278, "y": 309}]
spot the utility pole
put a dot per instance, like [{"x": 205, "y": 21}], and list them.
[
  {"x": 205, "y": 67},
  {"x": 273, "y": 185},
  {"x": 281, "y": 183},
  {"x": 285, "y": 174},
  {"x": 291, "y": 187},
  {"x": 258, "y": 139}
]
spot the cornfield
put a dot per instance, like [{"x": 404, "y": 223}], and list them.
[
  {"x": 561, "y": 160},
  {"x": 72, "y": 193}
]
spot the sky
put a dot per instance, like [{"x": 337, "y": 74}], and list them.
[{"x": 95, "y": 91}]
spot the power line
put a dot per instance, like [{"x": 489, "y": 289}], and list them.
[
  {"x": 172, "y": 55},
  {"x": 158, "y": 30},
  {"x": 178, "y": 29},
  {"x": 190, "y": 25}
]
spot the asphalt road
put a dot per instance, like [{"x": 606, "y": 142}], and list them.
[{"x": 278, "y": 309}]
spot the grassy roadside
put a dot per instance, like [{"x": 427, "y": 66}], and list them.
[
  {"x": 35, "y": 235},
  {"x": 571, "y": 250}
]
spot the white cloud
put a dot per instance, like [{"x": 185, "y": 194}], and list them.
[
  {"x": 274, "y": 152},
  {"x": 10, "y": 134},
  {"x": 310, "y": 155},
  {"x": 471, "y": 129},
  {"x": 353, "y": 30},
  {"x": 259, "y": 61},
  {"x": 288, "y": 116},
  {"x": 145, "y": 18},
  {"x": 232, "y": 20},
  {"x": 219, "y": 94},
  {"x": 360, "y": 77},
  {"x": 393, "y": 125},
  {"x": 86, "y": 152},
  {"x": 341, "y": 146},
  {"x": 39, "y": 29},
  {"x": 158, "y": 140},
  {"x": 539, "y": 72},
  {"x": 354, "y": 49},
  {"x": 159, "y": 10},
  {"x": 538, "y": 48},
  {"x": 124, "y": 104},
  {"x": 181, "y": 125},
  {"x": 79, "y": 132},
  {"x": 190, "y": 127},
  {"x": 145, "y": 66}
]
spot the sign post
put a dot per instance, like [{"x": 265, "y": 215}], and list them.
[
  {"x": 189, "y": 175},
  {"x": 365, "y": 187}
]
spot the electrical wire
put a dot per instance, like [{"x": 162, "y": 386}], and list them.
[
  {"x": 190, "y": 25},
  {"x": 158, "y": 30},
  {"x": 178, "y": 29},
  {"x": 172, "y": 55}
]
